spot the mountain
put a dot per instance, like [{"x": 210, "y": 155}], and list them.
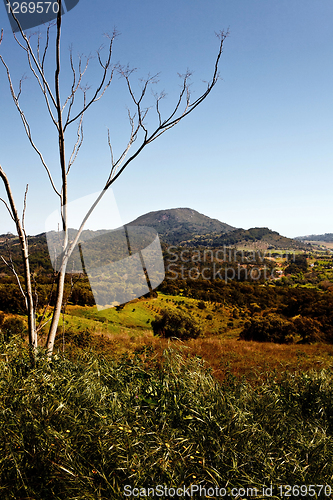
[
  {"x": 176, "y": 225},
  {"x": 327, "y": 237},
  {"x": 187, "y": 227}
]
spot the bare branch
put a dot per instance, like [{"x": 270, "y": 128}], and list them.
[
  {"x": 42, "y": 82},
  {"x": 12, "y": 268},
  {"x": 171, "y": 121},
  {"x": 158, "y": 98},
  {"x": 20, "y": 87},
  {"x": 46, "y": 46},
  {"x": 9, "y": 210},
  {"x": 111, "y": 151},
  {"x": 133, "y": 136},
  {"x": 24, "y": 207},
  {"x": 38, "y": 46},
  {"x": 27, "y": 127},
  {"x": 104, "y": 84},
  {"x": 25, "y": 255},
  {"x": 75, "y": 85},
  {"x": 78, "y": 143}
]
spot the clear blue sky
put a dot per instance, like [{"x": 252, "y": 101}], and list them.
[{"x": 257, "y": 152}]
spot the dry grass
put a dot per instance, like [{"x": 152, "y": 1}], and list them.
[{"x": 253, "y": 360}]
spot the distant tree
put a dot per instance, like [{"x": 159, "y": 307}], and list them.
[{"x": 299, "y": 265}]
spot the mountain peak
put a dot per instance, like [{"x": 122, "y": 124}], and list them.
[{"x": 178, "y": 224}]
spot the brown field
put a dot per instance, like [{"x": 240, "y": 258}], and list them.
[
  {"x": 253, "y": 360},
  {"x": 324, "y": 243}
]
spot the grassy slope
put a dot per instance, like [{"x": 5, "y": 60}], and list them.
[
  {"x": 137, "y": 316},
  {"x": 127, "y": 330}
]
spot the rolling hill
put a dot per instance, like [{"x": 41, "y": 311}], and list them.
[
  {"x": 187, "y": 227},
  {"x": 176, "y": 226},
  {"x": 327, "y": 237}
]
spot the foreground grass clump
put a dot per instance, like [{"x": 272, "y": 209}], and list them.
[{"x": 84, "y": 429}]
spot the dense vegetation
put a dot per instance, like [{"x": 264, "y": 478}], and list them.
[{"x": 84, "y": 428}]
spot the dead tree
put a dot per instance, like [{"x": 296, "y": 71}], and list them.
[{"x": 62, "y": 116}]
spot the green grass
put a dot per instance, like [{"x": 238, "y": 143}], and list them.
[
  {"x": 137, "y": 315},
  {"x": 83, "y": 429}
]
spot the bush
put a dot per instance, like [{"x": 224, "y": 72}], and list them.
[
  {"x": 81, "y": 339},
  {"x": 269, "y": 328},
  {"x": 309, "y": 329},
  {"x": 273, "y": 328},
  {"x": 201, "y": 305},
  {"x": 176, "y": 323},
  {"x": 13, "y": 326}
]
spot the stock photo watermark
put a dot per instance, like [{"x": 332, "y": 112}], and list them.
[
  {"x": 201, "y": 491},
  {"x": 126, "y": 263},
  {"x": 245, "y": 265}
]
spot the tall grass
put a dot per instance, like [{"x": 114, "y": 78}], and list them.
[{"x": 85, "y": 428}]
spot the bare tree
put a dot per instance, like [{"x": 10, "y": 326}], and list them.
[{"x": 62, "y": 116}]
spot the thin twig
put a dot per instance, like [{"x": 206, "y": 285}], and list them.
[
  {"x": 9, "y": 210},
  {"x": 12, "y": 268},
  {"x": 24, "y": 207},
  {"x": 102, "y": 86}
]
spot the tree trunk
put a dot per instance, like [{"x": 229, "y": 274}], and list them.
[
  {"x": 29, "y": 303},
  {"x": 56, "y": 311}
]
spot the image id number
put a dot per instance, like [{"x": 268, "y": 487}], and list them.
[
  {"x": 310, "y": 490},
  {"x": 32, "y": 7}
]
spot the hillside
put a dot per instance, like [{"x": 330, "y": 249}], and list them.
[
  {"x": 176, "y": 226},
  {"x": 327, "y": 237},
  {"x": 181, "y": 224},
  {"x": 256, "y": 236}
]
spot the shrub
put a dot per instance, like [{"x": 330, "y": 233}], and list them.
[
  {"x": 269, "y": 328},
  {"x": 67, "y": 427},
  {"x": 176, "y": 323},
  {"x": 13, "y": 326},
  {"x": 201, "y": 305},
  {"x": 309, "y": 329},
  {"x": 80, "y": 339}
]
